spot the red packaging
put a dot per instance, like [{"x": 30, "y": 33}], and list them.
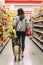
[{"x": 28, "y": 32}]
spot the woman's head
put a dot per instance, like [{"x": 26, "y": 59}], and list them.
[{"x": 21, "y": 13}]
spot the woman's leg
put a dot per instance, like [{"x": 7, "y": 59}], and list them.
[
  {"x": 18, "y": 35},
  {"x": 23, "y": 42}
]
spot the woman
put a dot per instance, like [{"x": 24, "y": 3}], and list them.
[{"x": 20, "y": 24}]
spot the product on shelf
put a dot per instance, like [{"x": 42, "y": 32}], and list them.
[
  {"x": 41, "y": 8},
  {"x": 39, "y": 29},
  {"x": 37, "y": 18},
  {"x": 36, "y": 10},
  {"x": 41, "y": 36},
  {"x": 39, "y": 23},
  {"x": 1, "y": 38},
  {"x": 41, "y": 18},
  {"x": 35, "y": 33}
]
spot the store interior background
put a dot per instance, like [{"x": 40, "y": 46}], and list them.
[{"x": 32, "y": 55}]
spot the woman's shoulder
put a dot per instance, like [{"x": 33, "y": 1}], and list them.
[
  {"x": 25, "y": 17},
  {"x": 17, "y": 17}
]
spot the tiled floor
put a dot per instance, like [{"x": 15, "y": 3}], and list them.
[{"x": 32, "y": 55}]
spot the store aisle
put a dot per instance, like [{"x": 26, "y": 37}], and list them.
[{"x": 32, "y": 55}]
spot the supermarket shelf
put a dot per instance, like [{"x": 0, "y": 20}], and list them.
[
  {"x": 35, "y": 16},
  {"x": 37, "y": 21},
  {"x": 38, "y": 31},
  {"x": 37, "y": 38},
  {"x": 38, "y": 44},
  {"x": 5, "y": 43},
  {"x": 37, "y": 25}
]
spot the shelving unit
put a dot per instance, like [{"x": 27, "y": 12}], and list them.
[
  {"x": 37, "y": 25},
  {"x": 36, "y": 30},
  {"x": 37, "y": 36},
  {"x": 6, "y": 16},
  {"x": 4, "y": 30},
  {"x": 37, "y": 43},
  {"x": 38, "y": 21}
]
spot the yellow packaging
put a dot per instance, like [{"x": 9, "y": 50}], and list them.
[
  {"x": 3, "y": 28},
  {"x": 5, "y": 15},
  {"x": 14, "y": 31}
]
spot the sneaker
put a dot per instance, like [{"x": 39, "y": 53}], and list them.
[
  {"x": 18, "y": 59},
  {"x": 22, "y": 55}
]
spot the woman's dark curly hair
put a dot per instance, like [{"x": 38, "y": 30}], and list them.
[{"x": 20, "y": 11}]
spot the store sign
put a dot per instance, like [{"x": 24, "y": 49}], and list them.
[
  {"x": 28, "y": 12},
  {"x": 23, "y": 1}
]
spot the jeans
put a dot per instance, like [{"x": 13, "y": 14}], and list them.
[{"x": 21, "y": 34}]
